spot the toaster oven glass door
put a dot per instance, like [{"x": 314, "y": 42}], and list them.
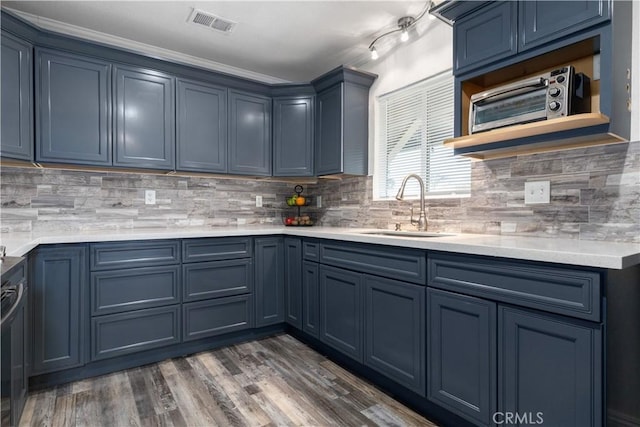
[{"x": 523, "y": 108}]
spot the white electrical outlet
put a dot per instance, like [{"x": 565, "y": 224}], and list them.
[
  {"x": 537, "y": 192},
  {"x": 318, "y": 201},
  {"x": 149, "y": 197},
  {"x": 258, "y": 201}
]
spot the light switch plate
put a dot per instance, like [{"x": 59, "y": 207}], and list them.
[
  {"x": 318, "y": 201},
  {"x": 537, "y": 192},
  {"x": 149, "y": 197},
  {"x": 258, "y": 201}
]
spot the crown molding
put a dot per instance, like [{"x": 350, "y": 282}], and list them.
[{"x": 142, "y": 48}]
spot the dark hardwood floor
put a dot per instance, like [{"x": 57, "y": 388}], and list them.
[{"x": 276, "y": 381}]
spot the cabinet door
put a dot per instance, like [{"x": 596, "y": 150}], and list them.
[
  {"x": 461, "y": 348},
  {"x": 201, "y": 127},
  {"x": 269, "y": 281},
  {"x": 541, "y": 22},
  {"x": 60, "y": 311},
  {"x": 394, "y": 330},
  {"x": 329, "y": 126},
  {"x": 549, "y": 367},
  {"x": 341, "y": 310},
  {"x": 293, "y": 136},
  {"x": 249, "y": 134},
  {"x": 144, "y": 119},
  {"x": 73, "y": 109},
  {"x": 485, "y": 36},
  {"x": 17, "y": 114},
  {"x": 293, "y": 281},
  {"x": 311, "y": 298}
]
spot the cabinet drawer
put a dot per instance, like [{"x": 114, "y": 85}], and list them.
[
  {"x": 214, "y": 249},
  {"x": 217, "y": 279},
  {"x": 118, "y": 334},
  {"x": 558, "y": 290},
  {"x": 311, "y": 251},
  {"x": 217, "y": 316},
  {"x": 105, "y": 256},
  {"x": 134, "y": 288},
  {"x": 396, "y": 263}
]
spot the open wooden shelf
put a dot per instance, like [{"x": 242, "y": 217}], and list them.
[{"x": 495, "y": 143}]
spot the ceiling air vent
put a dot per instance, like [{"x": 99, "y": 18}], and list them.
[{"x": 209, "y": 20}]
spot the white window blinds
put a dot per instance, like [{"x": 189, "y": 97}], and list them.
[{"x": 412, "y": 123}]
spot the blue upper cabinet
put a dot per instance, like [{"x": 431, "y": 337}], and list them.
[
  {"x": 486, "y": 36},
  {"x": 494, "y": 31},
  {"x": 73, "y": 100},
  {"x": 249, "y": 134},
  {"x": 329, "y": 137},
  {"x": 144, "y": 123},
  {"x": 293, "y": 136},
  {"x": 201, "y": 127},
  {"x": 342, "y": 122},
  {"x": 540, "y": 22},
  {"x": 17, "y": 112}
]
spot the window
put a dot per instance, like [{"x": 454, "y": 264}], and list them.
[{"x": 412, "y": 124}]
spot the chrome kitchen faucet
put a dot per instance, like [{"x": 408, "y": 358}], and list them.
[{"x": 422, "y": 219}]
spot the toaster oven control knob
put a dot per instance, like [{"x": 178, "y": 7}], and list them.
[
  {"x": 560, "y": 79},
  {"x": 554, "y": 91},
  {"x": 554, "y": 105}
]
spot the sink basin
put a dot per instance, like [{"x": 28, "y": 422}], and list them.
[{"x": 405, "y": 233}]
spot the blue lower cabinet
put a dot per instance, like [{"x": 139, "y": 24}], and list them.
[
  {"x": 217, "y": 316},
  {"x": 216, "y": 249},
  {"x": 461, "y": 355},
  {"x": 134, "y": 289},
  {"x": 203, "y": 280},
  {"x": 125, "y": 333},
  {"x": 310, "y": 299},
  {"x": 293, "y": 281},
  {"x": 549, "y": 368},
  {"x": 394, "y": 330},
  {"x": 58, "y": 302},
  {"x": 341, "y": 312},
  {"x": 269, "y": 280},
  {"x": 146, "y": 253}
]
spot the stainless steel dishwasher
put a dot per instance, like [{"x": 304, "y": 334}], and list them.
[{"x": 13, "y": 346}]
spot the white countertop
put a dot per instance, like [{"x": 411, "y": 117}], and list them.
[{"x": 564, "y": 251}]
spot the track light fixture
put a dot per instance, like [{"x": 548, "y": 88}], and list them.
[{"x": 404, "y": 24}]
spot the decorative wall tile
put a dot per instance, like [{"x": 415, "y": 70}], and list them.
[{"x": 595, "y": 195}]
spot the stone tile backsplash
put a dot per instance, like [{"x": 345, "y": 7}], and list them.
[
  {"x": 595, "y": 195},
  {"x": 45, "y": 199}
]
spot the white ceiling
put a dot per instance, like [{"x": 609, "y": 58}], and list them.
[{"x": 274, "y": 41}]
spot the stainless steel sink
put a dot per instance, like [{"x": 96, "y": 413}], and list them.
[{"x": 405, "y": 233}]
